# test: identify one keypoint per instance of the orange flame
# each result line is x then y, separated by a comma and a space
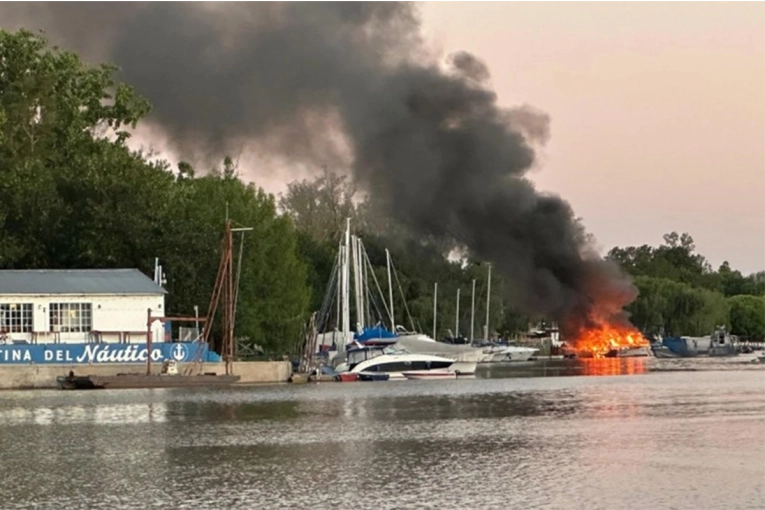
603, 339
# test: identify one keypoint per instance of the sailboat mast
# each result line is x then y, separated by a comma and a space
356, 281
457, 316
229, 300
360, 287
488, 301
472, 313
390, 294
435, 306
345, 289
364, 283
339, 283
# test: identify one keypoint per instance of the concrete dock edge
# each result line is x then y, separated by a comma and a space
44, 376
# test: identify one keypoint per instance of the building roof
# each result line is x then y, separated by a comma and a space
77, 281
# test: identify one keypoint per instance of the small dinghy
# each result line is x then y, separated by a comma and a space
348, 376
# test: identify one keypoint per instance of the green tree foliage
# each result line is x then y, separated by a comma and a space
320, 208
681, 294
677, 308
747, 316
57, 117
75, 196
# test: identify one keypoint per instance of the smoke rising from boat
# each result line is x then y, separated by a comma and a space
429, 141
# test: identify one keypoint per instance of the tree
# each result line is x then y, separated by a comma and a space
75, 196
62, 146
273, 294
320, 207
677, 308
747, 316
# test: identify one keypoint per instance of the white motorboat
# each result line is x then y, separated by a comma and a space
394, 361
500, 353
422, 344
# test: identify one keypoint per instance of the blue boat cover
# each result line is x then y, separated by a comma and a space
677, 345
375, 333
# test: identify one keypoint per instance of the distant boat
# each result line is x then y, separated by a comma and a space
718, 344
640, 351
722, 344
676, 347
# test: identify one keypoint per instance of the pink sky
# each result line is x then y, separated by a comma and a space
658, 111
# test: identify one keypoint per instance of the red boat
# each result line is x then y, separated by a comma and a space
349, 377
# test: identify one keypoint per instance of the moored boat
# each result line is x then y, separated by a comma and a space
641, 351
348, 377
132, 381
168, 378
395, 362
722, 344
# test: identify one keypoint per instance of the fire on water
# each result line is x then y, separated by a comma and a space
601, 340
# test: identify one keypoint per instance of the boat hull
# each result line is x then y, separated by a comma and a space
630, 352
430, 375
299, 379
135, 381
664, 352
371, 376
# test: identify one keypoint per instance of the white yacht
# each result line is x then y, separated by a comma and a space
423, 344
395, 361
500, 353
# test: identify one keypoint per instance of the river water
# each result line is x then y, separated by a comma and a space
638, 433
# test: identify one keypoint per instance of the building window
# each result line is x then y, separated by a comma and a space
16, 317
71, 317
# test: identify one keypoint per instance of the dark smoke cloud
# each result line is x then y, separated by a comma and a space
431, 143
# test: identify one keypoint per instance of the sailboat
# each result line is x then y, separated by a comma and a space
494, 352
371, 348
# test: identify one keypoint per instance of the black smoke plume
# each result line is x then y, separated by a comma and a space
429, 140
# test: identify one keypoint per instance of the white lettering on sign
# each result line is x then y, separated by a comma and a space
106, 354
92, 353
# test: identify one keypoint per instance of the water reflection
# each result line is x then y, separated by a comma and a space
528, 442
566, 367
122, 414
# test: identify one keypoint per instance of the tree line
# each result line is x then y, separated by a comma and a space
74, 195
681, 294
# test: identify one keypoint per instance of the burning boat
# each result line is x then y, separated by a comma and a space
611, 341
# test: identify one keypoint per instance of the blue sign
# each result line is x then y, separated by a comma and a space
104, 353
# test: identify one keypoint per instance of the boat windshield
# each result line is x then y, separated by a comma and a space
359, 355
394, 350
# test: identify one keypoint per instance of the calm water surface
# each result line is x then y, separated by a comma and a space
667, 434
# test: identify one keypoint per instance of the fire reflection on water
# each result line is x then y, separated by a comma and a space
613, 366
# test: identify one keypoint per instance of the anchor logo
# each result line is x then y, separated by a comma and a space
179, 352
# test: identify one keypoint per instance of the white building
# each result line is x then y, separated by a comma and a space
79, 305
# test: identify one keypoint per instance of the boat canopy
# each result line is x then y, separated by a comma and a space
375, 333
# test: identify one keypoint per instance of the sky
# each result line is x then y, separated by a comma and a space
657, 113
